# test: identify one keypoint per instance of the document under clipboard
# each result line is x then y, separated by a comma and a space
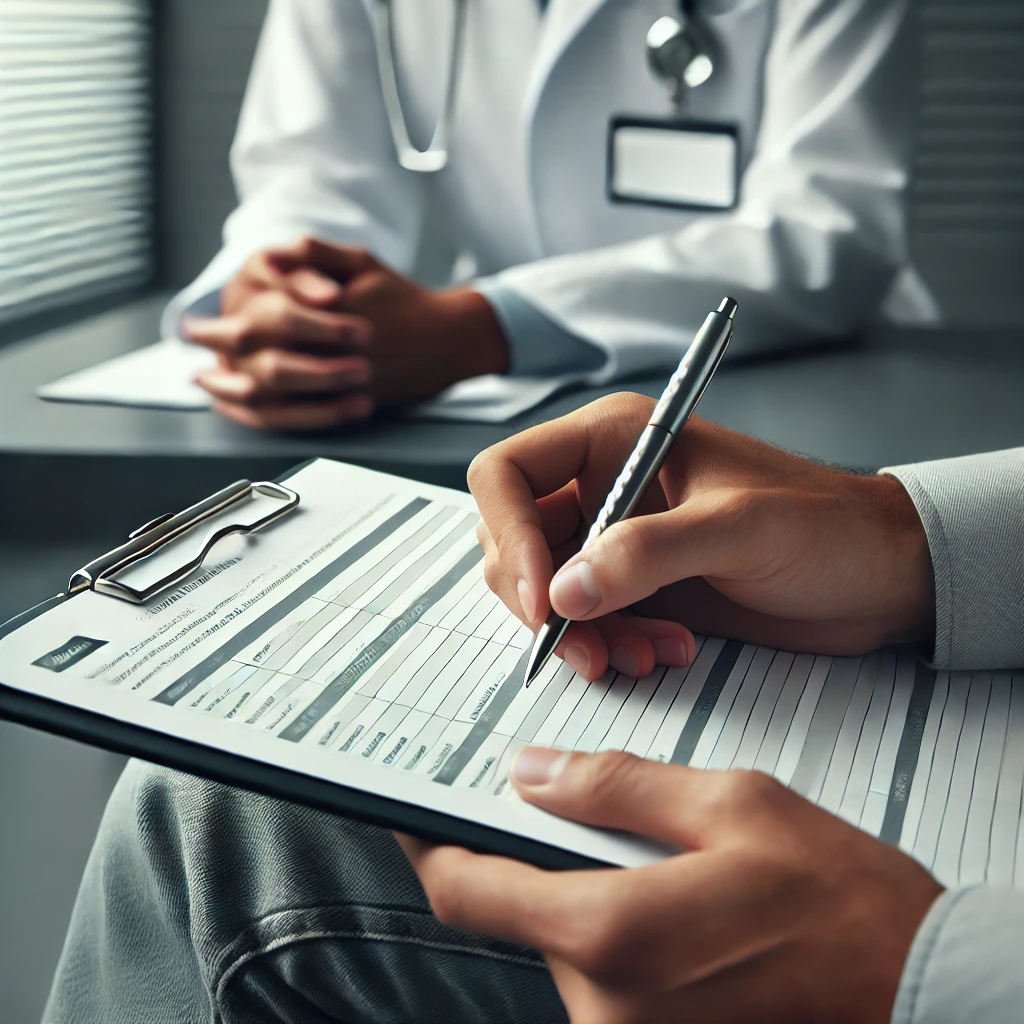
329, 639
169, 555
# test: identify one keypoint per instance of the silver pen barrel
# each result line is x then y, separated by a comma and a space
674, 408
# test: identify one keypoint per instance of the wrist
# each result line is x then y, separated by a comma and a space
475, 334
912, 579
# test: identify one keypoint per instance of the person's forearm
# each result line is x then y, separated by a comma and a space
972, 509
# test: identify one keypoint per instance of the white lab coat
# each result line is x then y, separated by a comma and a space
823, 92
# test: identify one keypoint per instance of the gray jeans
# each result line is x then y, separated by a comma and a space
201, 902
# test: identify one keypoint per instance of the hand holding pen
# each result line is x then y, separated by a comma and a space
734, 538
677, 403
513, 473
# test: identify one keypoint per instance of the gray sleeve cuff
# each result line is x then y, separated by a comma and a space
972, 509
538, 347
965, 961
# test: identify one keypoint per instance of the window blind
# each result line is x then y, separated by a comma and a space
967, 196
75, 131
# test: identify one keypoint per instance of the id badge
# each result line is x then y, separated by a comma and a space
685, 165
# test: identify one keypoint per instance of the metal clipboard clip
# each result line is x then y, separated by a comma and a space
244, 507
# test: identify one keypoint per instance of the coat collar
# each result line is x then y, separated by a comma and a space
563, 21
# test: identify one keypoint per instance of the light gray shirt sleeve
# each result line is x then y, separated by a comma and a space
965, 964
537, 346
972, 509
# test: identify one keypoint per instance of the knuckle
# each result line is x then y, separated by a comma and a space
494, 575
245, 332
277, 305
630, 551
743, 789
638, 542
255, 267
609, 774
338, 329
483, 536
305, 245
740, 508
358, 407
363, 256
481, 469
597, 948
610, 412
272, 367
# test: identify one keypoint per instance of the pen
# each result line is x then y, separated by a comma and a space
675, 407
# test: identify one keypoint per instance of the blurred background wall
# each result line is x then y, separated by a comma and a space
967, 227
204, 48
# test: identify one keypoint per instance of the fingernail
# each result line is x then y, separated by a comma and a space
190, 324
575, 591
675, 653
538, 766
625, 661
577, 658
237, 385
527, 600
319, 290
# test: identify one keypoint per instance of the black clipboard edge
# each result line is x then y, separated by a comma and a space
13, 625
280, 783
295, 470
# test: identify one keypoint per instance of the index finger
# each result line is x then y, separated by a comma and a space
511, 900
616, 924
276, 269
340, 262
508, 479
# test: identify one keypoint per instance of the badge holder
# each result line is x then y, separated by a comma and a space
673, 163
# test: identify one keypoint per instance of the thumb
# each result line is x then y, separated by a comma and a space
636, 558
311, 287
618, 791
339, 262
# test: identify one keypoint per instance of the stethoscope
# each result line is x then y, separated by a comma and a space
679, 53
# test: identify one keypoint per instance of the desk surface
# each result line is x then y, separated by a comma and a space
902, 396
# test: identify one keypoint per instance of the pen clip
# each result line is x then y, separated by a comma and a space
101, 574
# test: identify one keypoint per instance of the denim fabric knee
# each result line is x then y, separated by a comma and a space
205, 903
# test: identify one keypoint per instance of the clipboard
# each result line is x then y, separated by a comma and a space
884, 763
134, 573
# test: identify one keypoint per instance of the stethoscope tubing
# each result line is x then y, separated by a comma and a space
435, 157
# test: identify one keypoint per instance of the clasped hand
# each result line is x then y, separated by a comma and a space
313, 335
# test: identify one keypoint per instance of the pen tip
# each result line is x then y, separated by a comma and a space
729, 307
531, 671
533, 666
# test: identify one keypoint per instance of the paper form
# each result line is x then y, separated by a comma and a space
356, 641
161, 376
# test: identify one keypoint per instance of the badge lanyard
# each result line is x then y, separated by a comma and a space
676, 162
